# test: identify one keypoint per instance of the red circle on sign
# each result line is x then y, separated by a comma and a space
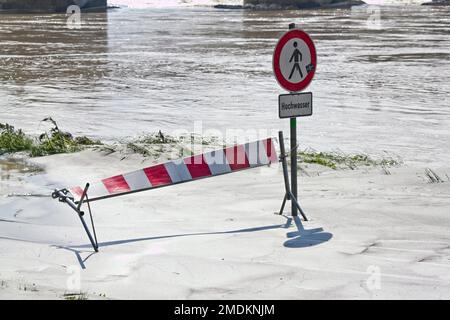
282, 81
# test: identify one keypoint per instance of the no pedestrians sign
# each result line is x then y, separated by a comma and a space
294, 60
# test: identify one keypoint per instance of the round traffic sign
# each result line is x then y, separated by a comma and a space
294, 60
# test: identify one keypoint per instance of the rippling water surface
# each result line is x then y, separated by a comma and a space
138, 70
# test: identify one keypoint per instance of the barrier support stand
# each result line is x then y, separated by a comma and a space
288, 195
62, 195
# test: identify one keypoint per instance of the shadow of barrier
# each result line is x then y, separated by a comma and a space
299, 239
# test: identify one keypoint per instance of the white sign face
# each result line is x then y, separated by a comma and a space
294, 58
295, 105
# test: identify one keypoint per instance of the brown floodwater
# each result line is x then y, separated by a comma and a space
378, 87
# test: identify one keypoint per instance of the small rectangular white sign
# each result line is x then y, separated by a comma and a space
295, 105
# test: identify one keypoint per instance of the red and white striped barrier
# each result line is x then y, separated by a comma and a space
239, 157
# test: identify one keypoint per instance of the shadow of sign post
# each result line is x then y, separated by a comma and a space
305, 238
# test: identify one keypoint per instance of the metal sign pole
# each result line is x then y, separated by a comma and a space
294, 211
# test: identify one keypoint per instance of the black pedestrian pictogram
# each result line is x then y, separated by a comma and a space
296, 55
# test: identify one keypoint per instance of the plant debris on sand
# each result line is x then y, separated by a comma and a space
55, 141
338, 160
161, 146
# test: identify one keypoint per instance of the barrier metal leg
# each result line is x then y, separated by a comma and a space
298, 207
63, 197
283, 204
